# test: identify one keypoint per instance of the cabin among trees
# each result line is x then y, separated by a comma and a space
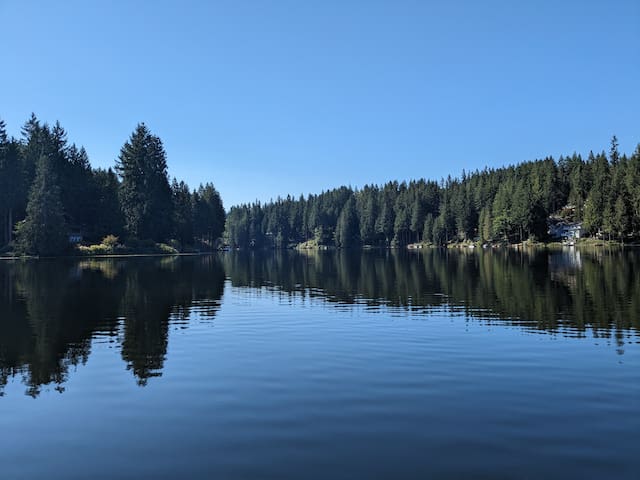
564, 226
565, 231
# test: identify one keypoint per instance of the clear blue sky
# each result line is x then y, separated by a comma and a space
266, 98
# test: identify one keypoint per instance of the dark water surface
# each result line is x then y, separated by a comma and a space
324, 365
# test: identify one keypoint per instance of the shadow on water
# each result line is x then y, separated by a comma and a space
51, 310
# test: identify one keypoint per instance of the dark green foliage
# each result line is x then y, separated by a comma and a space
95, 203
347, 229
108, 219
44, 231
427, 229
596, 200
12, 184
485, 225
208, 214
145, 193
71, 166
182, 212
80, 192
386, 219
632, 187
368, 208
33, 147
510, 204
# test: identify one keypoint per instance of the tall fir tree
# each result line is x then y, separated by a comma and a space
12, 186
33, 147
145, 193
347, 229
182, 213
427, 231
44, 230
209, 214
109, 219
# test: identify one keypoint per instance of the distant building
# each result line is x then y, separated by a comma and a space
565, 230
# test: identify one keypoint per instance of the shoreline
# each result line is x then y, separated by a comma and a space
113, 255
599, 244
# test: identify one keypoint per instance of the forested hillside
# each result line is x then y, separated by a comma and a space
48, 190
506, 204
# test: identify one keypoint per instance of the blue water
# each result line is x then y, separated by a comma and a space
208, 369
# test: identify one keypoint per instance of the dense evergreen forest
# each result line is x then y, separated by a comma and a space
49, 191
510, 204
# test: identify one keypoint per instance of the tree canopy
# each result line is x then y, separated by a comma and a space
505, 204
44, 177
136, 200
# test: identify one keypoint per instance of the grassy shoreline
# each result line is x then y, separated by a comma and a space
110, 247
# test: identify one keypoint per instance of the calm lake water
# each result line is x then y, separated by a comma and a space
322, 365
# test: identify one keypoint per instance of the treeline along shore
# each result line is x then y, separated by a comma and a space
598, 197
52, 202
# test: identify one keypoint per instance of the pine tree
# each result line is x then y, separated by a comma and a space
417, 218
44, 230
632, 180
385, 222
33, 147
182, 213
486, 224
614, 155
402, 220
620, 218
368, 215
597, 217
209, 214
108, 219
11, 184
521, 208
347, 229
145, 193
79, 191
440, 231
501, 208
427, 230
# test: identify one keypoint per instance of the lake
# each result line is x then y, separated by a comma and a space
373, 364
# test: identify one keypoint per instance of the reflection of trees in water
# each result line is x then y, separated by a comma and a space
154, 294
55, 308
542, 290
52, 309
